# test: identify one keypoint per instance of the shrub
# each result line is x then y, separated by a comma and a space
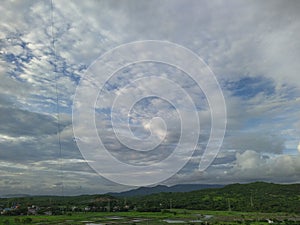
27, 220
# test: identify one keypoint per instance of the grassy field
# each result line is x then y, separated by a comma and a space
146, 218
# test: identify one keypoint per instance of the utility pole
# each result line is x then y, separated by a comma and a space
229, 207
108, 206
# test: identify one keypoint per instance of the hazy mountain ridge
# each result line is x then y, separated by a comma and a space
15, 196
142, 191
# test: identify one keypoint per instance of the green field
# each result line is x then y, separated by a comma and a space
165, 217
250, 204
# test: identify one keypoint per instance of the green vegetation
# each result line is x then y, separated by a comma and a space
189, 217
253, 203
254, 197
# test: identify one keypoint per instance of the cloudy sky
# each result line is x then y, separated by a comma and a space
47, 49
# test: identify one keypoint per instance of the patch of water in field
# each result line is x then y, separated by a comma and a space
94, 224
173, 221
208, 216
115, 217
136, 220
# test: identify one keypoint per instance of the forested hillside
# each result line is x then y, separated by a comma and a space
259, 196
253, 197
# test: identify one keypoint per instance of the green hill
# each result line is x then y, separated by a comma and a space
252, 197
258, 196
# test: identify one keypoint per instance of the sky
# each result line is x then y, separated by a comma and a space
53, 94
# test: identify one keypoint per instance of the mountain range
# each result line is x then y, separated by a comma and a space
142, 191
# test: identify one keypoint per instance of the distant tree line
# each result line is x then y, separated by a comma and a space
253, 197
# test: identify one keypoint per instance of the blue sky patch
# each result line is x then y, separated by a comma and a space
249, 87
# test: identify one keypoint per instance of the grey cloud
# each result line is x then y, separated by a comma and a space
256, 141
248, 166
17, 122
